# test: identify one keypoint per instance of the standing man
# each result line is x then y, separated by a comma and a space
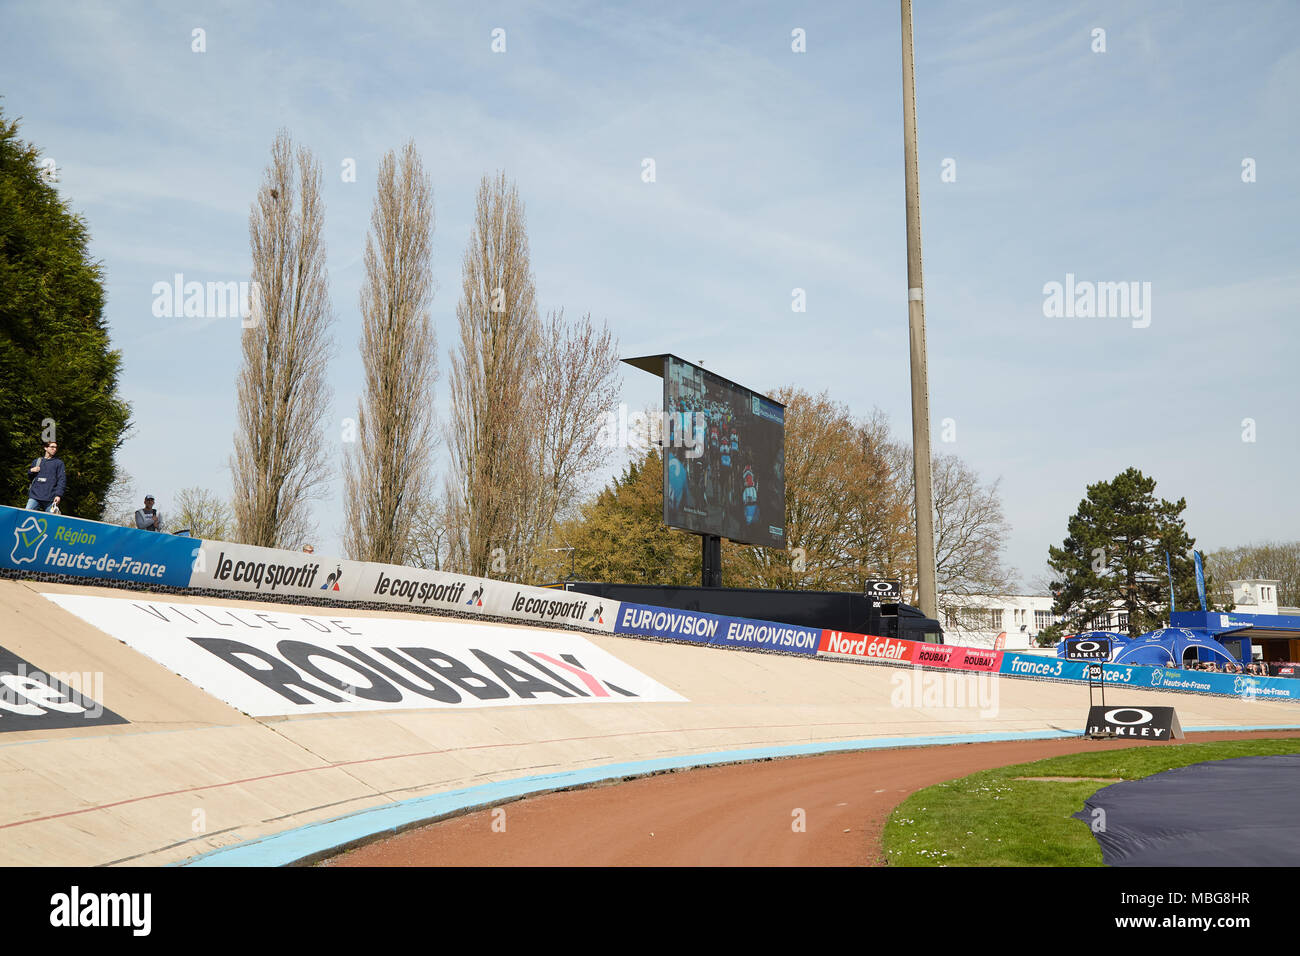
48, 480
147, 518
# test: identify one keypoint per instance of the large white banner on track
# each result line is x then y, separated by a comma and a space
272, 662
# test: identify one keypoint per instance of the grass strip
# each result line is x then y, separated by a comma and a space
992, 819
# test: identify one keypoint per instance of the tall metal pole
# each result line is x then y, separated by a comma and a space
926, 596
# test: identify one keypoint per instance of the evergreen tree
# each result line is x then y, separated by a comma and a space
1114, 556
621, 537
58, 376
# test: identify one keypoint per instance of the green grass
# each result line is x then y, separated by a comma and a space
992, 819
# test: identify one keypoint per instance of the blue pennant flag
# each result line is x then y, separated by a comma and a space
1170, 568
1200, 578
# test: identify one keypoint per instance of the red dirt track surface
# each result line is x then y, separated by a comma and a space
739, 815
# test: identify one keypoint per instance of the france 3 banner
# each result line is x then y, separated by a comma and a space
59, 544
280, 662
701, 628
1156, 678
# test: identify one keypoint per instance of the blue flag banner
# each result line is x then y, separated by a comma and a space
1170, 568
1200, 579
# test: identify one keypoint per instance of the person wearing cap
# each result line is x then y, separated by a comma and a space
147, 518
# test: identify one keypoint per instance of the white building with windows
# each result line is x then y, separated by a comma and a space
977, 620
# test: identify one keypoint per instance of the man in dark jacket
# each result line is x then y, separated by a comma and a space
48, 480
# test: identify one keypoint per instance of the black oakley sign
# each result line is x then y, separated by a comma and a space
1143, 723
1087, 649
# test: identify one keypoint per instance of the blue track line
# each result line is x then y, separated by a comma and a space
313, 839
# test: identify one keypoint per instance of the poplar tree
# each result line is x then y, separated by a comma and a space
279, 464
387, 471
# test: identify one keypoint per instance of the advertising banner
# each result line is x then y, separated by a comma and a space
267, 663
551, 606
1237, 685
242, 567
975, 659
56, 544
715, 629
1087, 649
866, 646
1141, 723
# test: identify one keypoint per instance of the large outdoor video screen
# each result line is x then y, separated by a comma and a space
724, 457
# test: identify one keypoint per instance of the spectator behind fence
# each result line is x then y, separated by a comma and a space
49, 481
148, 518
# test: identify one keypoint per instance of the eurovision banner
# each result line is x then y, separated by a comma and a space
716, 629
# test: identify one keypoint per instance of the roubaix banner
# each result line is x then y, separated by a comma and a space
57, 544
32, 699
700, 628
270, 664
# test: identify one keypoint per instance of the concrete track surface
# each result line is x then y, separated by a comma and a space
189, 774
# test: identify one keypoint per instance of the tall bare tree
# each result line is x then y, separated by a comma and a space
201, 512
573, 385
279, 464
489, 428
387, 471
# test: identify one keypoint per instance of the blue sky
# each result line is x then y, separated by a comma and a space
775, 170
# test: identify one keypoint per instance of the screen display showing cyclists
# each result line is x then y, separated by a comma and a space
724, 457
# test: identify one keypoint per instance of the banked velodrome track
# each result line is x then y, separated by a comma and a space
186, 774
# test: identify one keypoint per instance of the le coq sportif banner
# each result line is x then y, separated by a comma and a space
272, 663
238, 567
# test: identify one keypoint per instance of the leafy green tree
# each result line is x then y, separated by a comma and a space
1114, 556
58, 376
620, 537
